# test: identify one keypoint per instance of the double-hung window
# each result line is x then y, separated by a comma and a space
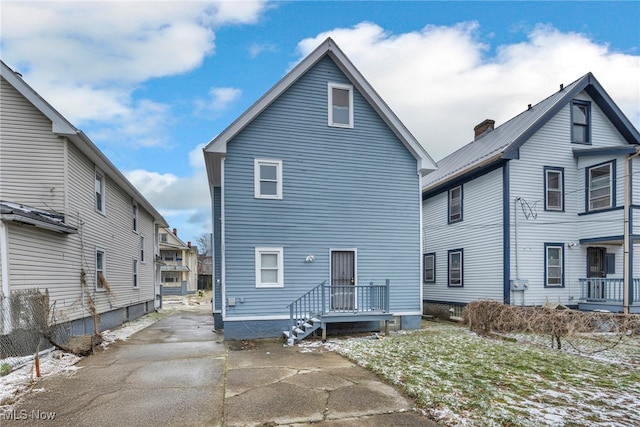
135, 273
600, 194
429, 268
99, 188
455, 204
455, 267
141, 248
580, 120
269, 267
267, 179
340, 105
554, 264
554, 189
101, 269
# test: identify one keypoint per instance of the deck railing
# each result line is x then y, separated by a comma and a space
326, 299
601, 289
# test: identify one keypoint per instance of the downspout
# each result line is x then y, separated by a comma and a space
5, 321
515, 229
627, 237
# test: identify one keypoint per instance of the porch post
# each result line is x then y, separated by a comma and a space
627, 224
386, 296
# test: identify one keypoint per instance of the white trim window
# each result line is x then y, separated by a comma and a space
455, 204
600, 185
101, 269
135, 273
100, 192
134, 208
554, 265
269, 267
554, 194
267, 179
340, 105
141, 248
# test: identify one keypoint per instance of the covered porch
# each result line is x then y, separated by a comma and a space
599, 293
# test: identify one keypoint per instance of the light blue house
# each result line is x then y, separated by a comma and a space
545, 207
316, 208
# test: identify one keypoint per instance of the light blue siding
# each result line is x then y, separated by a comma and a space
342, 189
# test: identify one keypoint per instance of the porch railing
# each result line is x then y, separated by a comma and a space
601, 289
326, 299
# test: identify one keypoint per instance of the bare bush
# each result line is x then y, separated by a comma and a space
587, 332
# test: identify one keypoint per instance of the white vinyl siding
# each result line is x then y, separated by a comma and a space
32, 158
269, 268
340, 105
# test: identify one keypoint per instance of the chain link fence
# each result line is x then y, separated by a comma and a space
27, 325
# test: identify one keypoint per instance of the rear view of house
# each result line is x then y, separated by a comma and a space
316, 207
70, 222
543, 208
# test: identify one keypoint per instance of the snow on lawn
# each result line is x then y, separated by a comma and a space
55, 362
461, 379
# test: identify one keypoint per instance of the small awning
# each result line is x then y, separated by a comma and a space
25, 215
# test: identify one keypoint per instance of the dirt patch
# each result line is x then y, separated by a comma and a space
82, 345
242, 345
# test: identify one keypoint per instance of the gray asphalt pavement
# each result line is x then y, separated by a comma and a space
178, 372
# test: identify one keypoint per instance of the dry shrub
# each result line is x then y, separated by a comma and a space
489, 318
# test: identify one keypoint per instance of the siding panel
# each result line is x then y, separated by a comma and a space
343, 188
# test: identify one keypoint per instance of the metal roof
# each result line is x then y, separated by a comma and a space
504, 141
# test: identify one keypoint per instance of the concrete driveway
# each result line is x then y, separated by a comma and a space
178, 372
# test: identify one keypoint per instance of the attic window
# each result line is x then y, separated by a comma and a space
340, 105
581, 122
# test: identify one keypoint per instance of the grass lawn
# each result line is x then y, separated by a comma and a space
460, 378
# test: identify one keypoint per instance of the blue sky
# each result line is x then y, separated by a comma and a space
151, 83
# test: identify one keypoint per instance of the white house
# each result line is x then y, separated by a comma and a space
544, 207
179, 270
70, 222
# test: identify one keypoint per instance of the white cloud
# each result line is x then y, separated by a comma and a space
256, 49
97, 53
219, 99
182, 200
441, 82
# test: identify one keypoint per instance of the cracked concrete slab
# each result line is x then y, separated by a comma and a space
178, 372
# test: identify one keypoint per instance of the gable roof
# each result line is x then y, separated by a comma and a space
215, 150
62, 127
504, 141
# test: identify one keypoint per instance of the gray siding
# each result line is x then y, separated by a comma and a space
479, 234
343, 188
31, 157
42, 170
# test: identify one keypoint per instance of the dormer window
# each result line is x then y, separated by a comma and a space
340, 105
581, 120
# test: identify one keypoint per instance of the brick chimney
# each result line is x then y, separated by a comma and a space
483, 128
175, 231
188, 244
